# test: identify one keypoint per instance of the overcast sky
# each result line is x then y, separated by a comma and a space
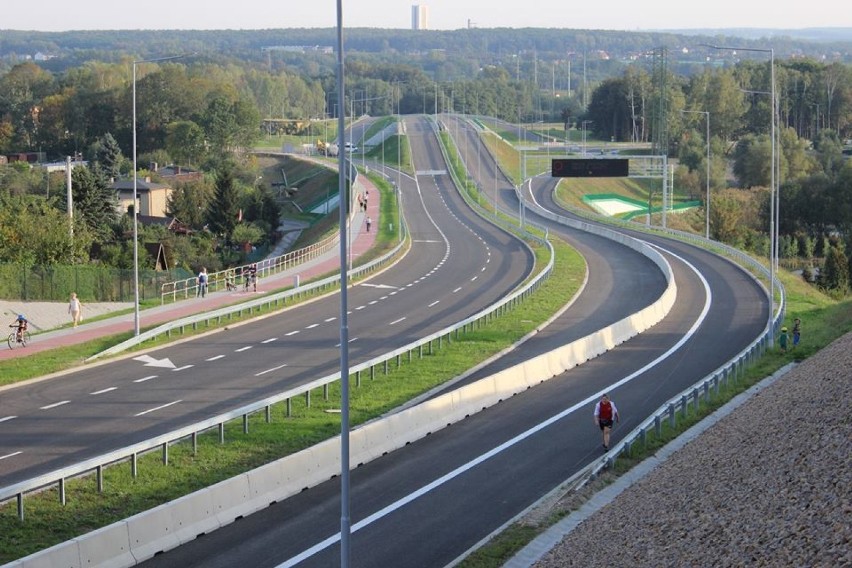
55, 15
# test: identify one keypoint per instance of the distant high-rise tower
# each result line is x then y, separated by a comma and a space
419, 17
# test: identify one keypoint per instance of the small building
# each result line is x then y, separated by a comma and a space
152, 196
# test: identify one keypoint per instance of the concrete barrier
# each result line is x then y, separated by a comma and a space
108, 547
63, 555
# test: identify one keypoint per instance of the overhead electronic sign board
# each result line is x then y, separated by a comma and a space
582, 167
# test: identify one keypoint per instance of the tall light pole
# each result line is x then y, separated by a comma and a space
135, 196
345, 517
707, 175
773, 190
584, 123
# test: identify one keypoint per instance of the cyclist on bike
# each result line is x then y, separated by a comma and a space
21, 324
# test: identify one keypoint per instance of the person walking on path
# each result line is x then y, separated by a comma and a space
605, 415
202, 282
782, 340
75, 308
369, 222
797, 331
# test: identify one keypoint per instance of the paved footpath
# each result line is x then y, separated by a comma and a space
55, 313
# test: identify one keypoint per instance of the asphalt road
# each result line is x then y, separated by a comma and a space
430, 502
457, 266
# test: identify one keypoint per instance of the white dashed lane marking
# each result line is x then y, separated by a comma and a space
435, 303
313, 325
6, 418
216, 358
397, 321
54, 405
183, 368
143, 379
292, 333
102, 391
241, 349
270, 370
13, 454
270, 340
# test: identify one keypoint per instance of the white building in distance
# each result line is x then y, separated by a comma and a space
419, 17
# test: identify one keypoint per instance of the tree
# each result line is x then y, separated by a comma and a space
108, 156
185, 142
835, 273
230, 124
189, 202
223, 212
95, 201
33, 232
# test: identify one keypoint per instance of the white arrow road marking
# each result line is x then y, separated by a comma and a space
151, 362
158, 408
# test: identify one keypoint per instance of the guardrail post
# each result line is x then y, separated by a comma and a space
308, 399
134, 465
100, 477
672, 419
325, 391
289, 407
221, 432
684, 405
372, 372
421, 350
386, 366
20, 499
409, 355
268, 413
658, 427
358, 379
194, 443
62, 491
245, 424
398, 361
707, 392
165, 453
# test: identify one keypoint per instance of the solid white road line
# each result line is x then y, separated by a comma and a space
54, 405
158, 408
102, 391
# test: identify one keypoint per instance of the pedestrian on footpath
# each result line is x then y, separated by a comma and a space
797, 331
202, 282
75, 308
605, 414
369, 222
782, 340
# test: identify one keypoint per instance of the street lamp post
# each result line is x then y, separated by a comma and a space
583, 124
707, 175
773, 190
135, 196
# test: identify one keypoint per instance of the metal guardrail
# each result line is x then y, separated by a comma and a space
131, 453
219, 280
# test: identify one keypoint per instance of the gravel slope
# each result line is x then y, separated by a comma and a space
769, 485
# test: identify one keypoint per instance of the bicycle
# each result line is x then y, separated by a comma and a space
13, 340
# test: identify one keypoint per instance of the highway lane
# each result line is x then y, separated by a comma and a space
86, 413
429, 502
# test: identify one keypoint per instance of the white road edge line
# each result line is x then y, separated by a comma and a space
320, 546
158, 408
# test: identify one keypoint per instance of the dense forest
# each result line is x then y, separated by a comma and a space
71, 94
